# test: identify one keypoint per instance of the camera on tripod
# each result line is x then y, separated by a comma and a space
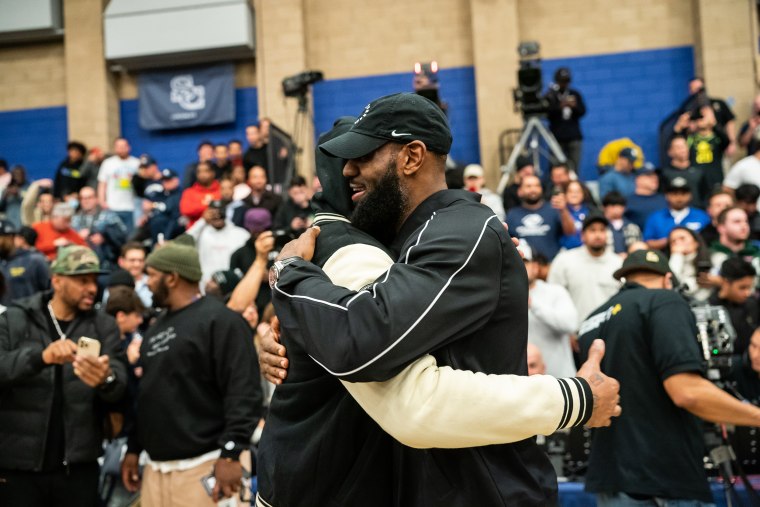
298, 85
528, 96
716, 336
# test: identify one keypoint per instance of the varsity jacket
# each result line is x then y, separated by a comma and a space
440, 296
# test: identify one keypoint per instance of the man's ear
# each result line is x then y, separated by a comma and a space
413, 157
668, 281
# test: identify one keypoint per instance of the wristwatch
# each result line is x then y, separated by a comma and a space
278, 266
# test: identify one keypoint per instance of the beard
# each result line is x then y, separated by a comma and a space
161, 294
531, 201
380, 212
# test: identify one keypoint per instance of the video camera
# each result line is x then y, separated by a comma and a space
298, 85
716, 336
528, 97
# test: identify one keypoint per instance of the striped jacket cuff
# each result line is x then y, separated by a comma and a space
579, 402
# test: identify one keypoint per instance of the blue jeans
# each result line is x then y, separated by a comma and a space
127, 217
623, 500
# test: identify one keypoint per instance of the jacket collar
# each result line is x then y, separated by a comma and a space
423, 212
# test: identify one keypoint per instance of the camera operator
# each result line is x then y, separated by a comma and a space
735, 295
746, 370
566, 107
654, 454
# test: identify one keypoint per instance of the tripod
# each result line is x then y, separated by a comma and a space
530, 142
303, 116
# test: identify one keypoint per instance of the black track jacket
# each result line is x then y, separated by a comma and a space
459, 290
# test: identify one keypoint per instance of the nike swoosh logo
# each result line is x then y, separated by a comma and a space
396, 134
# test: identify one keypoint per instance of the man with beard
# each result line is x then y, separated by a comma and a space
199, 398
376, 165
586, 271
52, 394
541, 224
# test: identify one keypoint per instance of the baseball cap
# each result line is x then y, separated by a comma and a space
401, 118
473, 171
678, 184
653, 261
562, 74
631, 154
168, 174
120, 277
146, 160
7, 228
76, 260
647, 168
257, 220
227, 279
217, 204
594, 218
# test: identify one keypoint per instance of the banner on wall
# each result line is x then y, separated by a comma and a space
187, 97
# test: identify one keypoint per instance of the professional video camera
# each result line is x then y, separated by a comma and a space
716, 336
528, 95
298, 85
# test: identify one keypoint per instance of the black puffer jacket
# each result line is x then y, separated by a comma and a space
27, 386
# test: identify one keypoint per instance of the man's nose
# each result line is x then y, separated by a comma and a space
350, 169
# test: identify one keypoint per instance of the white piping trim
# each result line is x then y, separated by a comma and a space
419, 236
374, 286
581, 398
310, 299
356, 296
422, 316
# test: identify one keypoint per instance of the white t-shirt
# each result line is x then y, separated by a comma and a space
588, 279
745, 171
117, 174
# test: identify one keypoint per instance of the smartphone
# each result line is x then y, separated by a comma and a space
88, 347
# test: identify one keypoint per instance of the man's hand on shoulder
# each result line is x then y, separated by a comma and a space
302, 247
606, 390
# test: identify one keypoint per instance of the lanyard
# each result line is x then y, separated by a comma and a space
55, 323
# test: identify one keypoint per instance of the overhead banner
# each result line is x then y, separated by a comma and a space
187, 97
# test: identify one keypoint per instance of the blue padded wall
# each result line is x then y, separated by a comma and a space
626, 95
341, 97
177, 148
34, 138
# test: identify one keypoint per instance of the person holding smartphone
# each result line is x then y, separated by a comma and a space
50, 426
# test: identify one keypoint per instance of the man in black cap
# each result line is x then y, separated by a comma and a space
162, 207
655, 452
566, 108
25, 271
51, 426
435, 298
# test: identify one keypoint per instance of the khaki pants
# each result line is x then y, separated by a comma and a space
181, 489
176, 489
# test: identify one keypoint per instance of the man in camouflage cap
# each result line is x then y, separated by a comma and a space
51, 414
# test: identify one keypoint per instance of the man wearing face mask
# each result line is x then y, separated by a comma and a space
654, 454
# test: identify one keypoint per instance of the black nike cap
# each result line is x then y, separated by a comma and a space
399, 118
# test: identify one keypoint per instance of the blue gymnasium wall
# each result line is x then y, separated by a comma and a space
626, 95
342, 97
35, 138
177, 148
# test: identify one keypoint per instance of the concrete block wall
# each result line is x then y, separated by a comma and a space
349, 38
33, 76
367, 45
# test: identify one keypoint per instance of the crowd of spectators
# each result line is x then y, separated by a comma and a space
575, 235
